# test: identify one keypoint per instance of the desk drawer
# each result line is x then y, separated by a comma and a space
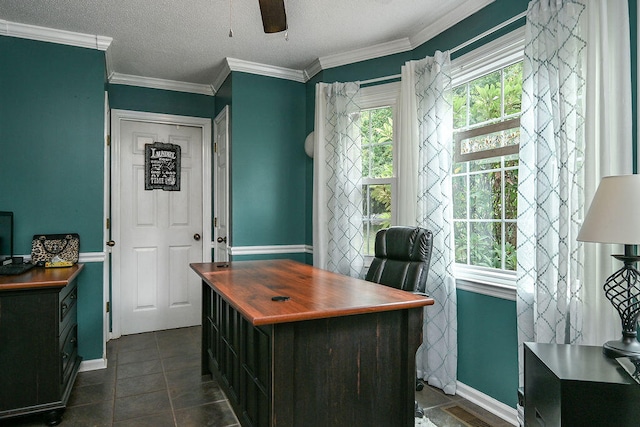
68, 302
68, 353
68, 323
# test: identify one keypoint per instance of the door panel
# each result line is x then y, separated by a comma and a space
157, 229
146, 292
222, 231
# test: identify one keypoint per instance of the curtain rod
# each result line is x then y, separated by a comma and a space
488, 32
459, 47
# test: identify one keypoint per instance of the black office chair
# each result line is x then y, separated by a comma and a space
402, 258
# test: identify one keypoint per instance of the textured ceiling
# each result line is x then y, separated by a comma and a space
187, 40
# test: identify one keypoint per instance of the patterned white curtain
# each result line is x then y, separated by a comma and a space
576, 129
551, 175
609, 149
337, 213
426, 95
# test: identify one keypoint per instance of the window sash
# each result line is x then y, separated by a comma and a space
460, 157
488, 58
374, 97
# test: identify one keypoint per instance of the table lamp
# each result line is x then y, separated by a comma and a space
614, 217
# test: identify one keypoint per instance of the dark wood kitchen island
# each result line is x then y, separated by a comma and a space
294, 345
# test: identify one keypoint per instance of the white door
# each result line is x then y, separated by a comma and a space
221, 238
158, 232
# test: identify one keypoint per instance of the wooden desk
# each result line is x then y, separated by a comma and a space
38, 341
339, 352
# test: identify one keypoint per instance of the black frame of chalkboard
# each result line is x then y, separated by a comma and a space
165, 166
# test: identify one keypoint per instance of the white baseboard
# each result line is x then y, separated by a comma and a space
492, 405
93, 365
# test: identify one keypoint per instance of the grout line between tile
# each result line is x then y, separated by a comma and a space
166, 382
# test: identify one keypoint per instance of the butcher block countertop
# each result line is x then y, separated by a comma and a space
281, 291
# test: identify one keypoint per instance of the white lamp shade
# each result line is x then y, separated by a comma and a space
614, 214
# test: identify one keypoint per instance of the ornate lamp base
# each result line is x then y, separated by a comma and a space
623, 290
626, 347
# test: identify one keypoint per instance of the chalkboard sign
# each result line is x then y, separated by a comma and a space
162, 166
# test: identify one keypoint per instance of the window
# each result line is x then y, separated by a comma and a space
485, 169
487, 106
378, 167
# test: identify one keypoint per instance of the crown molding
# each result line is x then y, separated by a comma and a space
449, 20
265, 70
396, 46
314, 68
363, 54
154, 83
232, 64
33, 32
222, 76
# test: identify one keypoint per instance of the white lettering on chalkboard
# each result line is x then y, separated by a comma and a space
162, 166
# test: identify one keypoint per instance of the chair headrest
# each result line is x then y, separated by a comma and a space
404, 243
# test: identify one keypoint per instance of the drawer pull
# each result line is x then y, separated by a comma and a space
73, 296
73, 341
64, 306
65, 355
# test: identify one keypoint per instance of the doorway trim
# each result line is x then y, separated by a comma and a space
117, 116
221, 197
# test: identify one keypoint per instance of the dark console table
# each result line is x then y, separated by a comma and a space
38, 341
330, 350
573, 385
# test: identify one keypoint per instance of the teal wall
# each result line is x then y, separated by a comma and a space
51, 157
124, 97
370, 69
224, 94
488, 345
268, 162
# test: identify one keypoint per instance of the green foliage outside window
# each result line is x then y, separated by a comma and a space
486, 191
377, 139
377, 162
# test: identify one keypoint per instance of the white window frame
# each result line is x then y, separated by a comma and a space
384, 95
497, 54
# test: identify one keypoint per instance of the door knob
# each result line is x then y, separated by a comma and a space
222, 239
196, 237
111, 243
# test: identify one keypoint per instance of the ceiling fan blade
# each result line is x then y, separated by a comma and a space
274, 17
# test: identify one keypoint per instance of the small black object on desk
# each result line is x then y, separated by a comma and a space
15, 268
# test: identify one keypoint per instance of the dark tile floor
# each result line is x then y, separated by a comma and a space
153, 379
